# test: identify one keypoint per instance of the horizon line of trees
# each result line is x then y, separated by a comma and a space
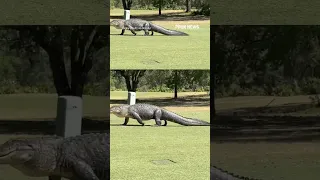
266, 60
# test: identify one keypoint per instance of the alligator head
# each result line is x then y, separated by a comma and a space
16, 151
120, 111
116, 23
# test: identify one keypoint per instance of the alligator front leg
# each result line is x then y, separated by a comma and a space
122, 32
126, 120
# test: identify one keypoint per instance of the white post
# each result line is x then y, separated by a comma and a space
131, 98
69, 116
126, 14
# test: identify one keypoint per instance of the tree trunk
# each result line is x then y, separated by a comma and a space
126, 4
81, 60
212, 87
176, 84
160, 6
188, 5
132, 78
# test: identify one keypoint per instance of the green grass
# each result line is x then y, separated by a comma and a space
62, 12
159, 51
38, 106
266, 12
118, 95
294, 161
268, 160
133, 148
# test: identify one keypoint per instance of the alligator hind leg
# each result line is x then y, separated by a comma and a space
157, 117
146, 32
137, 117
83, 171
165, 123
146, 28
132, 30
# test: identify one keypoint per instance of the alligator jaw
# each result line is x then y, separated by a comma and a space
5, 156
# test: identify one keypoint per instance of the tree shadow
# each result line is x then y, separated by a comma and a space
48, 126
266, 124
186, 101
171, 16
280, 109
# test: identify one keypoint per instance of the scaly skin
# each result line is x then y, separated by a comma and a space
142, 25
219, 174
142, 112
84, 157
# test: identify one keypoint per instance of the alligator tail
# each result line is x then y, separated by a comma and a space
170, 116
168, 32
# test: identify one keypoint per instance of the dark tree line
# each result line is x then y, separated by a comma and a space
160, 80
266, 60
202, 5
71, 52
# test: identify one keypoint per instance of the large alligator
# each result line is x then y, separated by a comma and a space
142, 112
219, 174
142, 25
84, 157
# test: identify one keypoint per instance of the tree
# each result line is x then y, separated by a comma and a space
126, 4
160, 6
81, 42
132, 78
188, 5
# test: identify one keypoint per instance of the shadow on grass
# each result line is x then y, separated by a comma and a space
186, 101
267, 124
148, 125
280, 109
265, 128
47, 127
174, 16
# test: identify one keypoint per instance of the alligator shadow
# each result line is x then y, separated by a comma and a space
135, 35
186, 101
148, 125
48, 126
265, 128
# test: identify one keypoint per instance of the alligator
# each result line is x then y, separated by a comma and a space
219, 174
142, 25
83, 157
142, 112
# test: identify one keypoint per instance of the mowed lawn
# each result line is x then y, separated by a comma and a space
171, 152
44, 106
268, 160
160, 51
41, 107
266, 12
62, 12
